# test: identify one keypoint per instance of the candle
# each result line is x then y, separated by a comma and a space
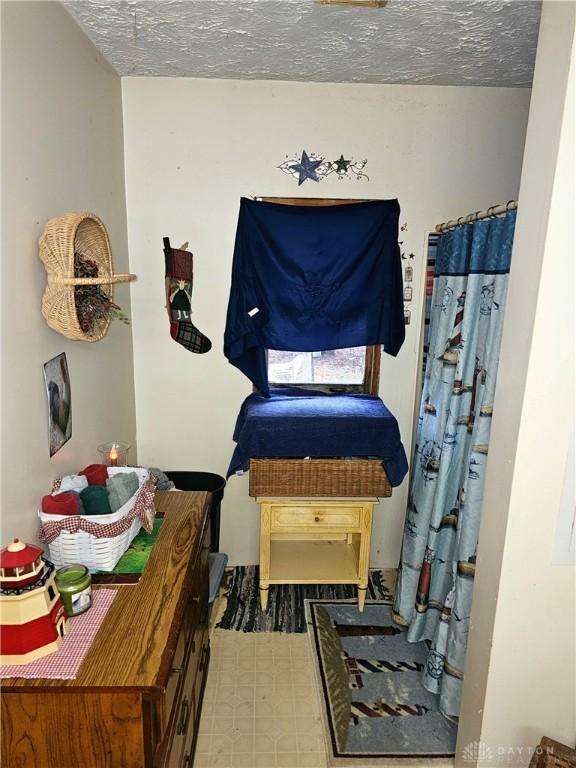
114, 453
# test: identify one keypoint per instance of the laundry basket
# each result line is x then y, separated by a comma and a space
64, 236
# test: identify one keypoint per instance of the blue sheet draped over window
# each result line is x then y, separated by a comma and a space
310, 278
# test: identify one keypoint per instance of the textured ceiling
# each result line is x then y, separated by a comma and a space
438, 42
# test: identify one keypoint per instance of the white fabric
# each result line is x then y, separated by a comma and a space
72, 483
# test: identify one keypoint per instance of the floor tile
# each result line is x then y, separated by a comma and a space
265, 760
287, 760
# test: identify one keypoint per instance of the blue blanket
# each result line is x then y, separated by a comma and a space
310, 278
294, 423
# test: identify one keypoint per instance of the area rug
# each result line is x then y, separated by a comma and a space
286, 610
374, 706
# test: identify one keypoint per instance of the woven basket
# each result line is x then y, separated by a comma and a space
318, 477
85, 234
99, 552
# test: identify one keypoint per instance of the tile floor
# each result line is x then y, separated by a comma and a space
260, 706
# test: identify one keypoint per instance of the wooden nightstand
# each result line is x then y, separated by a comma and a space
315, 541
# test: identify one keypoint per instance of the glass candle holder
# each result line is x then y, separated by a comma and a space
114, 454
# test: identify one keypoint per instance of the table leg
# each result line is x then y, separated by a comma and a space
364, 560
264, 590
264, 554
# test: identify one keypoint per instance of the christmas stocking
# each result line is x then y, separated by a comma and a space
179, 278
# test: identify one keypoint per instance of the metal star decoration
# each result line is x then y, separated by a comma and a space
341, 164
314, 166
306, 168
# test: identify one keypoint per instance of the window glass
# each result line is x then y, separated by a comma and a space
334, 366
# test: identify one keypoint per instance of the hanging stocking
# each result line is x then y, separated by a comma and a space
179, 279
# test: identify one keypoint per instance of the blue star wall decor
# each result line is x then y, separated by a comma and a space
315, 167
306, 168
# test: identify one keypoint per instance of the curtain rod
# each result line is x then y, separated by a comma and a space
494, 210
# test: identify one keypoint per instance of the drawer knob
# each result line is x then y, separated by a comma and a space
317, 519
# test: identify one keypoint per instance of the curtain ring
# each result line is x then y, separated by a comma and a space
490, 212
509, 203
460, 220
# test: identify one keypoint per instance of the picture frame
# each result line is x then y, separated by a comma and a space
59, 395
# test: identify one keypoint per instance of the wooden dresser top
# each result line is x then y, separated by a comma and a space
136, 641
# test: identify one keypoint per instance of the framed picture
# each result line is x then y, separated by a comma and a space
408, 274
59, 402
408, 293
406, 317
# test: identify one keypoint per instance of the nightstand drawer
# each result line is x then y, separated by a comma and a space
294, 517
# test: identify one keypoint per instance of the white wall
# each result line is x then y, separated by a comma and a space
520, 674
62, 150
193, 147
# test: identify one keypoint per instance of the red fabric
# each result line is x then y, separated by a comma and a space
182, 265
96, 474
66, 503
174, 328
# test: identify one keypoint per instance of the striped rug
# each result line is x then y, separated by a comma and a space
285, 612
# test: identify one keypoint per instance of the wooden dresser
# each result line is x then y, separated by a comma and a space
137, 698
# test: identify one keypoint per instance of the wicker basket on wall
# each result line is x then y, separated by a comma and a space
63, 236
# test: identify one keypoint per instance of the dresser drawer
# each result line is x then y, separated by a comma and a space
294, 517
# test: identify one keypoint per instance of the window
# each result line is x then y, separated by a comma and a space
356, 369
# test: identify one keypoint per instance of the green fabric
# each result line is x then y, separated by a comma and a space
336, 677
121, 488
95, 500
136, 556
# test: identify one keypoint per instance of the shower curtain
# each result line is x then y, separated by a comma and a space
436, 573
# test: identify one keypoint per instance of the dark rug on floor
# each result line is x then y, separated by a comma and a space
374, 705
285, 612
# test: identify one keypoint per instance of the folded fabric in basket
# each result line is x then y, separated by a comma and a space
96, 474
95, 500
72, 483
163, 482
121, 488
67, 503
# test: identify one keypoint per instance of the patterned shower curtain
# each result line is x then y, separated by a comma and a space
436, 573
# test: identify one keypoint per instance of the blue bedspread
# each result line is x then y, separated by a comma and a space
294, 423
